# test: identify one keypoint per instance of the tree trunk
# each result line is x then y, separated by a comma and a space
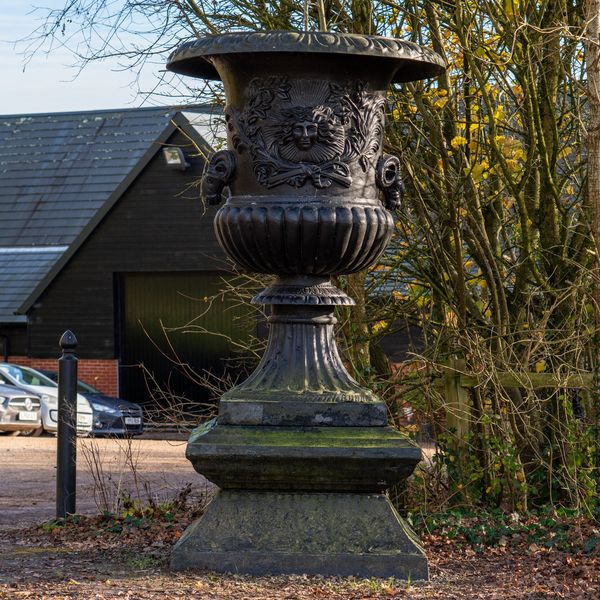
592, 48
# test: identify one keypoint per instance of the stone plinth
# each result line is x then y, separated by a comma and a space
293, 532
353, 459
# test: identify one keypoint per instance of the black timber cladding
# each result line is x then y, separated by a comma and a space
57, 173
157, 225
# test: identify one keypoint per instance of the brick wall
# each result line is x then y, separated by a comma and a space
102, 374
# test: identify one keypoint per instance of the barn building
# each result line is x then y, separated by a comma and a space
102, 231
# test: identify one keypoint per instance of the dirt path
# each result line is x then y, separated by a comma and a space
105, 468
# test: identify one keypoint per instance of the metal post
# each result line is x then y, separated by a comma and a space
67, 423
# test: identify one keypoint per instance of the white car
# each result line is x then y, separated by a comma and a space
33, 381
19, 411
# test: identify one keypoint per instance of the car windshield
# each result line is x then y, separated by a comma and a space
86, 388
82, 387
26, 376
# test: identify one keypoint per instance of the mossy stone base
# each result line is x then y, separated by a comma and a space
331, 459
337, 534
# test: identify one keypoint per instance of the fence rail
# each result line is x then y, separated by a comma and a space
531, 380
455, 382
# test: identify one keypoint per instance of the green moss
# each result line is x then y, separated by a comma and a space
326, 437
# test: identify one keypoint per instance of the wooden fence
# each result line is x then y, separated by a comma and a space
456, 384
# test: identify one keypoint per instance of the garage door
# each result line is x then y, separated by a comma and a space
177, 333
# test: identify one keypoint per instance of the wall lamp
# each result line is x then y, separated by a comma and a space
175, 158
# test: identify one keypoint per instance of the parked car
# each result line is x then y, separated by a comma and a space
20, 411
112, 416
37, 383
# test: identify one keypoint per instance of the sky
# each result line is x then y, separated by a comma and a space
50, 83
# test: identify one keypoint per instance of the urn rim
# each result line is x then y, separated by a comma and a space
413, 62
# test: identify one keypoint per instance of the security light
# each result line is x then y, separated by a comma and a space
175, 158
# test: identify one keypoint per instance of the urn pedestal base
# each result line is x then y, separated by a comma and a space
302, 500
337, 534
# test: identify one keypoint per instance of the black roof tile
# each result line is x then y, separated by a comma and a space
57, 171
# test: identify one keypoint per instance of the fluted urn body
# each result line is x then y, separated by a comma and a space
310, 194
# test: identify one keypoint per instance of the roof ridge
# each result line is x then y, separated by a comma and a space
173, 108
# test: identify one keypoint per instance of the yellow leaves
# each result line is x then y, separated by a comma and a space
440, 102
421, 301
396, 114
512, 150
513, 166
566, 151
478, 281
478, 171
458, 141
518, 154
393, 16
462, 212
398, 295
379, 326
540, 366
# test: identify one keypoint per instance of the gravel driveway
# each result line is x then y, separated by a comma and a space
106, 468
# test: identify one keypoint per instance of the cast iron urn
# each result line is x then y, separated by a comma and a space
301, 452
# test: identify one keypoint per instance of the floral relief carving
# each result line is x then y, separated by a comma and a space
294, 143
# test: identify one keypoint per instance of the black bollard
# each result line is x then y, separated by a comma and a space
66, 456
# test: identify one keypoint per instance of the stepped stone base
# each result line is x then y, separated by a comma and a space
309, 459
337, 534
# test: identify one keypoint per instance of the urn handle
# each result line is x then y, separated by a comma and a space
218, 174
389, 182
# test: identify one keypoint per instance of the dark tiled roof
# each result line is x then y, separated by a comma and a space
57, 171
21, 269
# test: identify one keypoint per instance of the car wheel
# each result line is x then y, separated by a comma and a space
33, 432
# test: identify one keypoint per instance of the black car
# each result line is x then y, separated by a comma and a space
112, 416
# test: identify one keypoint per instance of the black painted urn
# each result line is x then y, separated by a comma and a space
302, 452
